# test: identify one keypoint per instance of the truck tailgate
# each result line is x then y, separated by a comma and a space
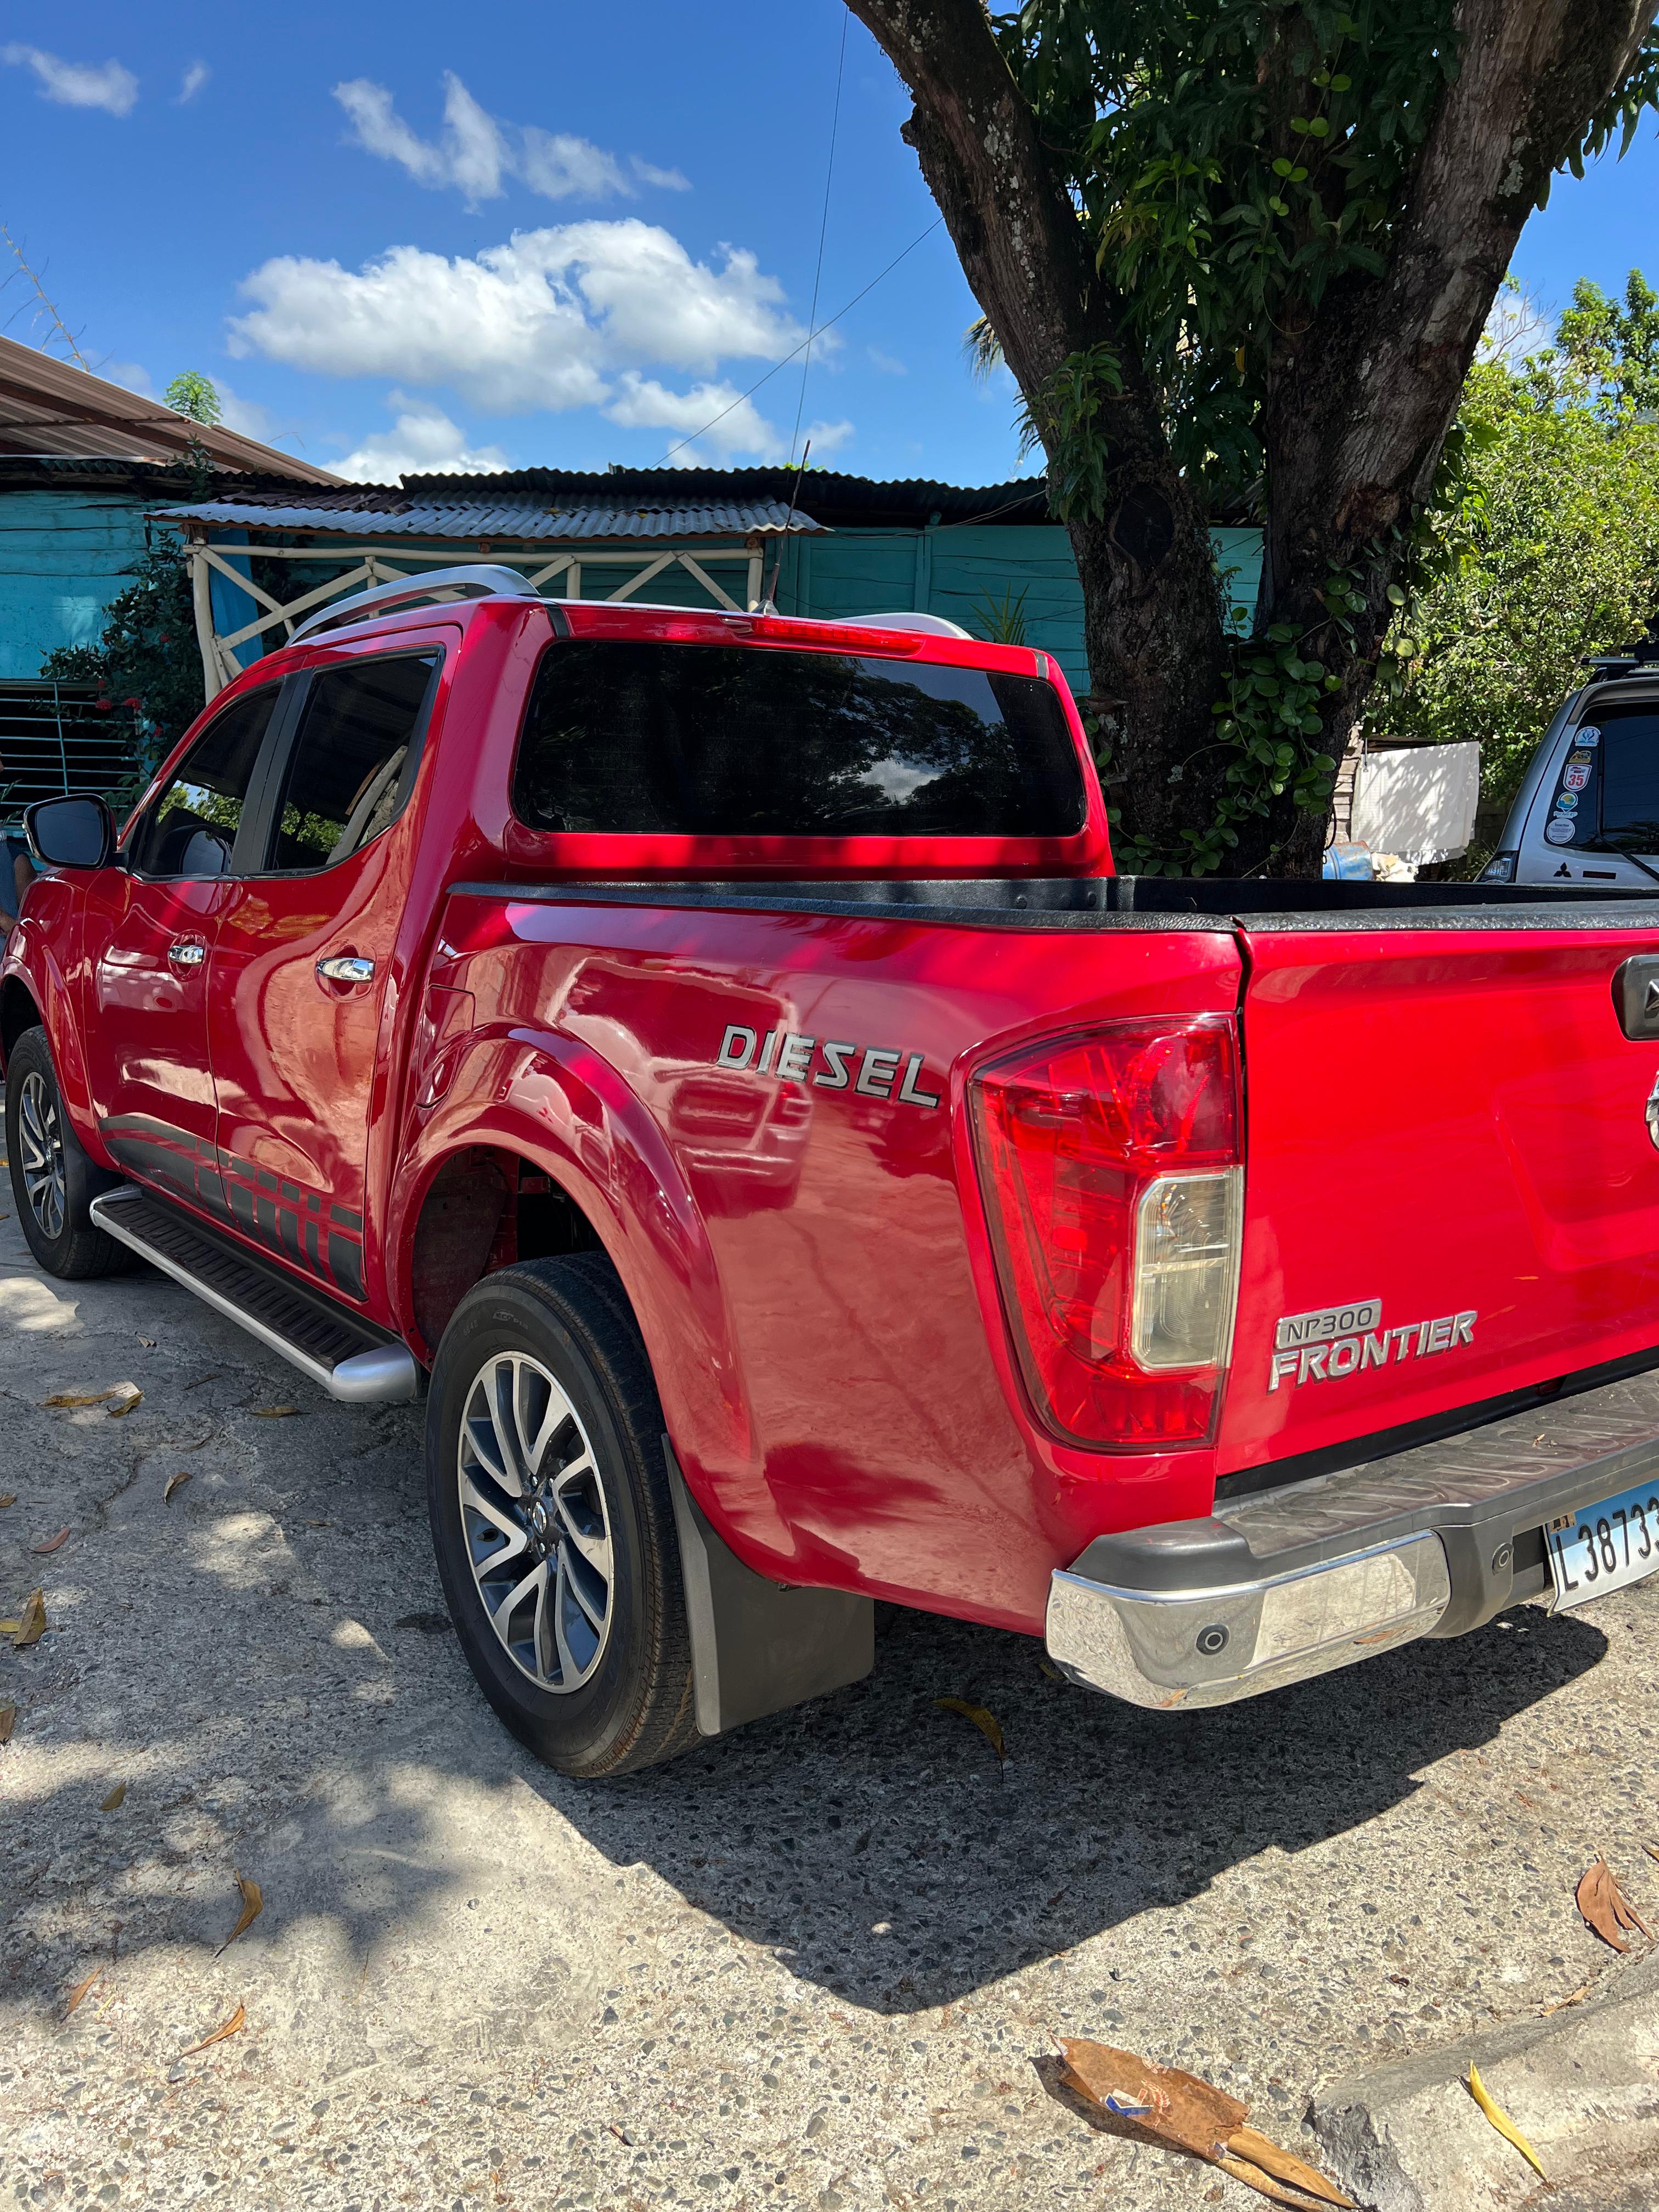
1451, 1191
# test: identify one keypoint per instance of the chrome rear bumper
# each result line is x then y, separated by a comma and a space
1291, 1582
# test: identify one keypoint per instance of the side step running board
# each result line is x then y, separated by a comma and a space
342, 1356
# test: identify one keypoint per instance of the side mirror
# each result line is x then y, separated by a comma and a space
78, 832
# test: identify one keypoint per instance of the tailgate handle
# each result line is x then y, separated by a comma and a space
1636, 995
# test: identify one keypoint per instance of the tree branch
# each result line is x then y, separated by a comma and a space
1358, 406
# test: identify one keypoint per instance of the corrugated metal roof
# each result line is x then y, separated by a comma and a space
378, 512
824, 494
48, 407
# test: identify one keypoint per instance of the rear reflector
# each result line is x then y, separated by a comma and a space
1111, 1167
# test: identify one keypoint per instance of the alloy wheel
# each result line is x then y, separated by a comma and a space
41, 1145
536, 1525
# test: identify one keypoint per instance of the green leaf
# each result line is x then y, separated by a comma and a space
1282, 167
1342, 84
1319, 128
1396, 597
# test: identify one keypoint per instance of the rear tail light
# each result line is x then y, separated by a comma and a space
1111, 1166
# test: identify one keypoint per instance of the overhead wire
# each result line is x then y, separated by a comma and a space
824, 232
810, 338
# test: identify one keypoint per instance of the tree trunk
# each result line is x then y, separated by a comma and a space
1360, 399
1360, 394
1151, 603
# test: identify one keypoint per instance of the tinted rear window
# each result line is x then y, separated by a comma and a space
740, 741
1615, 759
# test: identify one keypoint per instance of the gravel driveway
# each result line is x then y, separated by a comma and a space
821, 1963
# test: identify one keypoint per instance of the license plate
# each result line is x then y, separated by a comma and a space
1602, 1547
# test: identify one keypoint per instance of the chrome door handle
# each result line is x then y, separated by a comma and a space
346, 967
186, 955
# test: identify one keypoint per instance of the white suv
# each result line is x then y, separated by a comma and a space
1589, 809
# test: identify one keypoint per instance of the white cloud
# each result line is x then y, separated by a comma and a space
885, 362
423, 442
77, 84
537, 323
561, 167
662, 181
643, 404
476, 152
130, 375
194, 78
718, 422
246, 417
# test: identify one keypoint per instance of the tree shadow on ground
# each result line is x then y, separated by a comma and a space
872, 1839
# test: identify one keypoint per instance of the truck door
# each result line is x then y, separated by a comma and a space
150, 928
300, 1002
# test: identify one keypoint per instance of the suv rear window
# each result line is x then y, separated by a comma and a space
1614, 762
745, 741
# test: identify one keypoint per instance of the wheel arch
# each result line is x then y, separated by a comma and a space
525, 1110
18, 1012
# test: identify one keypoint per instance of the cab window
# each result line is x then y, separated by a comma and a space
353, 760
191, 829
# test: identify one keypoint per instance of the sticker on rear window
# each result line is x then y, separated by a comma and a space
1577, 776
1589, 735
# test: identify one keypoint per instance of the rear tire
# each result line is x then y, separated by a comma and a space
53, 1182
552, 1519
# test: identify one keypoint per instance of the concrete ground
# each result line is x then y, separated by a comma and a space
820, 1964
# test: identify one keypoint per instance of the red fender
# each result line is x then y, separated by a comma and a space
558, 1104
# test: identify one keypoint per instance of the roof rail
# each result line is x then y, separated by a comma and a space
481, 582
931, 625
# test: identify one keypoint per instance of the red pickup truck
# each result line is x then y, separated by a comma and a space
711, 1058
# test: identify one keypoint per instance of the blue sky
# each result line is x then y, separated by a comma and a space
419, 237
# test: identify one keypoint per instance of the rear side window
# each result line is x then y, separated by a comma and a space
190, 828
1608, 791
739, 741
353, 760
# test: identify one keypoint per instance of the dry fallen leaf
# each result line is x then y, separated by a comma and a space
32, 1627
52, 1543
1561, 2003
149, 1343
7, 1722
274, 1413
1184, 2113
10, 1498
233, 2026
80, 1990
1501, 2120
117, 1796
1177, 2108
10, 1627
91, 1398
1605, 1908
254, 1905
119, 1412
174, 1482
985, 1722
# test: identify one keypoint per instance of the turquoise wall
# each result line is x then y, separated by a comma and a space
64, 556
961, 571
